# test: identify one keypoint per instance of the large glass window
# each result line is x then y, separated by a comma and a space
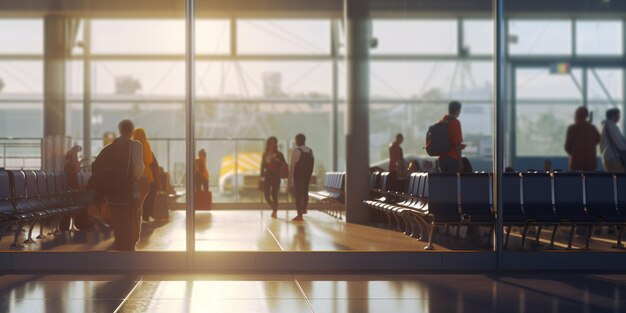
599, 37
21, 36
283, 36
418, 66
441, 36
540, 37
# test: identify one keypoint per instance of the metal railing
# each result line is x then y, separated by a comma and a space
20, 153
237, 185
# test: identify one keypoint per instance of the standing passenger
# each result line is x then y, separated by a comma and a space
72, 167
451, 161
612, 143
396, 157
271, 163
581, 141
300, 173
200, 172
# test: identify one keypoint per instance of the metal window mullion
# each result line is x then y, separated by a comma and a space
499, 75
334, 28
585, 86
190, 127
233, 37
574, 38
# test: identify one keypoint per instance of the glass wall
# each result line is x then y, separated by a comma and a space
274, 79
556, 64
126, 67
282, 74
420, 63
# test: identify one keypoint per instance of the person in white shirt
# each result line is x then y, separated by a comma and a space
300, 171
126, 216
612, 142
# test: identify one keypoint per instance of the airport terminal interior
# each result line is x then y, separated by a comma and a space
312, 156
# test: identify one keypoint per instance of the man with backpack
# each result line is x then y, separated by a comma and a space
115, 176
300, 173
445, 140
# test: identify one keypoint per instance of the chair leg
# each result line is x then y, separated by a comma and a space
619, 244
17, 234
417, 227
506, 237
53, 225
492, 228
524, 232
571, 237
57, 228
30, 233
408, 228
590, 229
73, 227
41, 235
538, 237
421, 226
554, 229
429, 246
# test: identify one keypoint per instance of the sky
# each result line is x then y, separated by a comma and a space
389, 79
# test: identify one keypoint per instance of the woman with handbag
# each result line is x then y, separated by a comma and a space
273, 168
612, 143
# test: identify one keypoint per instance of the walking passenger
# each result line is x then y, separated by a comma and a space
272, 164
116, 173
300, 172
612, 143
148, 182
581, 141
450, 162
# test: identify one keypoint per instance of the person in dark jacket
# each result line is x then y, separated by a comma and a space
271, 163
581, 141
300, 171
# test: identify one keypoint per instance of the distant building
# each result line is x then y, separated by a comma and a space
272, 84
126, 85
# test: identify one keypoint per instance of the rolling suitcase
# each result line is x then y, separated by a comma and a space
203, 200
161, 207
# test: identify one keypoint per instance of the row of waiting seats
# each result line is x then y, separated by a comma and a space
432, 199
529, 199
28, 198
332, 192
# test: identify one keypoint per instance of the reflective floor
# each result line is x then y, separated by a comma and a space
238, 230
459, 293
255, 230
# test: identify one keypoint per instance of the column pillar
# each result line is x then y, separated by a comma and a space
55, 37
358, 35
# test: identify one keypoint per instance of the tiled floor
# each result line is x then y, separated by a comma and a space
460, 293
